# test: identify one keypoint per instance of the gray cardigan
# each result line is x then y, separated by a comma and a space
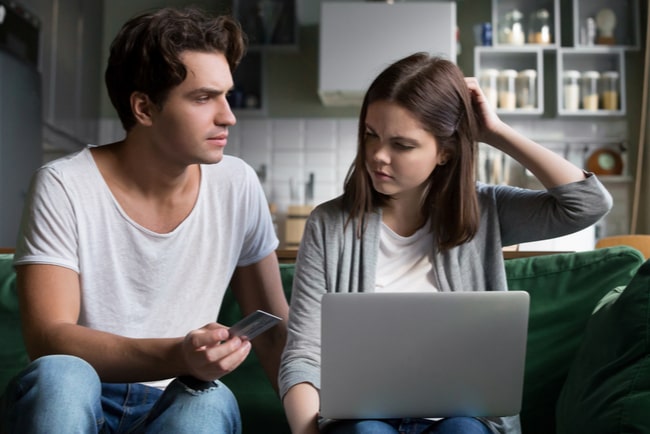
332, 258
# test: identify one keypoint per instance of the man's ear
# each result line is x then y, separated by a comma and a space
142, 108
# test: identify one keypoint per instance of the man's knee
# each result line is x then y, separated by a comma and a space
203, 406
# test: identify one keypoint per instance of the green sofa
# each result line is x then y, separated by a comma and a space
587, 363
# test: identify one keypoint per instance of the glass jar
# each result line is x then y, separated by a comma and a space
571, 90
526, 87
539, 29
512, 31
609, 86
589, 90
507, 89
488, 82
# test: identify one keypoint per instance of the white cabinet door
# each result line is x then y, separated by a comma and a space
359, 39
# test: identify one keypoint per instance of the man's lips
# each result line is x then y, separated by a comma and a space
219, 140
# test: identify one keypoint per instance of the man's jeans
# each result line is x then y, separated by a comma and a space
63, 394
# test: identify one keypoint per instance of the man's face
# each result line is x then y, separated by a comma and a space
192, 125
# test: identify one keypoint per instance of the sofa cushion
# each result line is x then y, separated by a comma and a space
13, 356
608, 387
563, 288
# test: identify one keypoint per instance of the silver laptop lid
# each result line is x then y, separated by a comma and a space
434, 354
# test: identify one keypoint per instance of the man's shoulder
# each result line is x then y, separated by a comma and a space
78, 157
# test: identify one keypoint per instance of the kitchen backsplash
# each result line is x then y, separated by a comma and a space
284, 152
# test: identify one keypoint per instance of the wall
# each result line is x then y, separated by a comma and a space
286, 150
300, 136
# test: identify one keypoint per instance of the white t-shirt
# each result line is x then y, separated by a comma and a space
405, 264
135, 282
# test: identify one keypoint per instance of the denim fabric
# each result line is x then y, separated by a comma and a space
63, 394
452, 425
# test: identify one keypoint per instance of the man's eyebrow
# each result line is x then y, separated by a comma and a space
207, 90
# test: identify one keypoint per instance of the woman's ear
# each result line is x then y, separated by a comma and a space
443, 158
142, 108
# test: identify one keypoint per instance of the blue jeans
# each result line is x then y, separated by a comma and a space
63, 394
451, 425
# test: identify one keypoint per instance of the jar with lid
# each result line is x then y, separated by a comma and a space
610, 92
526, 87
539, 30
488, 82
589, 90
507, 89
512, 31
571, 89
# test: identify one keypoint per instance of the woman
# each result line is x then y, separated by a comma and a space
412, 211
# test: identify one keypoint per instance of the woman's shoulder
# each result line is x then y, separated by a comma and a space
329, 210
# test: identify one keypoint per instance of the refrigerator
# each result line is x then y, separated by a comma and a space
21, 147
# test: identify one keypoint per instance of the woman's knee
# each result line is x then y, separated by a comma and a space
360, 427
460, 425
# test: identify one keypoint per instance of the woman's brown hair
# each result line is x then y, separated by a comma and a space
434, 91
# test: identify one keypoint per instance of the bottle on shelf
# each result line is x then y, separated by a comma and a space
526, 87
488, 83
507, 89
590, 95
571, 90
610, 90
539, 30
512, 31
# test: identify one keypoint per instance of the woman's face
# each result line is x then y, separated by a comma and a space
400, 154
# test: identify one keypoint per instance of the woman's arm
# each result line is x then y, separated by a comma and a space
550, 168
301, 404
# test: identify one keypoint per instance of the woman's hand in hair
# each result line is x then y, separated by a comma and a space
489, 123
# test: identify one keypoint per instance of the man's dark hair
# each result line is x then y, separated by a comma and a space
145, 54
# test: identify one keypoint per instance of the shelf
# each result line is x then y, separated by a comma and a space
248, 92
503, 32
269, 24
517, 59
626, 30
601, 60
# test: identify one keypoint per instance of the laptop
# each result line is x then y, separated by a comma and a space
423, 354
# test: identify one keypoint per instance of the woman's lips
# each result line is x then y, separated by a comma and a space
382, 176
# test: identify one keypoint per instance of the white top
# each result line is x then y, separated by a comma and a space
136, 282
405, 264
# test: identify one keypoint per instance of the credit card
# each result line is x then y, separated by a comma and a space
254, 324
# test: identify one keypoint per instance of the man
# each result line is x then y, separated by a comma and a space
126, 249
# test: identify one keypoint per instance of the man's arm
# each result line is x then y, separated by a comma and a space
50, 300
259, 286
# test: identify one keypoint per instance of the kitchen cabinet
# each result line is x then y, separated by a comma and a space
531, 23
69, 61
359, 39
601, 32
575, 98
248, 97
20, 115
497, 61
270, 25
